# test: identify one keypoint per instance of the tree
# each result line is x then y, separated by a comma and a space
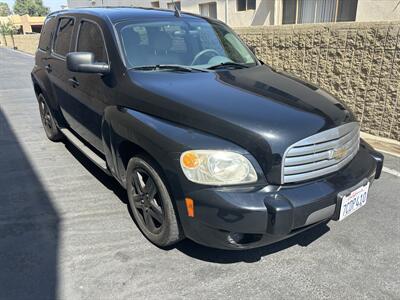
30, 7
4, 9
8, 28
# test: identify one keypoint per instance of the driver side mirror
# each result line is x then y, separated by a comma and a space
83, 62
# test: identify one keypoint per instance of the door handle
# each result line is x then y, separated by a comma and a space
74, 82
48, 68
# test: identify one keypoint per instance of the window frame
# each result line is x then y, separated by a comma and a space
78, 33
246, 6
48, 46
55, 35
296, 20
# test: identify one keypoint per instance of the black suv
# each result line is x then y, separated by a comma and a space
209, 142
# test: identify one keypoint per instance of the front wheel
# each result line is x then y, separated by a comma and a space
151, 203
49, 125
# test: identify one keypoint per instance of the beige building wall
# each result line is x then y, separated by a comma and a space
227, 12
262, 15
24, 23
226, 9
378, 10
27, 43
192, 6
267, 12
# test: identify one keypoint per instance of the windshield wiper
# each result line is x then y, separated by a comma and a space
227, 64
167, 67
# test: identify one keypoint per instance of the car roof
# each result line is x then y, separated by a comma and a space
117, 14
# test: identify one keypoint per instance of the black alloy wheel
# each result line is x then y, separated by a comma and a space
145, 200
49, 125
151, 203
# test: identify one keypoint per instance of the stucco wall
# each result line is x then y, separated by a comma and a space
357, 62
27, 43
378, 10
264, 14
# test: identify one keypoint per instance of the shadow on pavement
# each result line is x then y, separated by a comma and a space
198, 251
29, 226
108, 181
253, 255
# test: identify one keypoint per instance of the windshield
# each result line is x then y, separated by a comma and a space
194, 43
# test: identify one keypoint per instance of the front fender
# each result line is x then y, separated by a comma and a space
163, 140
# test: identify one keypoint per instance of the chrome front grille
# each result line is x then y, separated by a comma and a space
321, 154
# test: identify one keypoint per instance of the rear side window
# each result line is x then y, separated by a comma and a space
63, 37
90, 39
46, 34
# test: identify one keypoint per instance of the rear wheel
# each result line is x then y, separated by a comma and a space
49, 125
151, 203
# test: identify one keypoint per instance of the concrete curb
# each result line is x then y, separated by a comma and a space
382, 144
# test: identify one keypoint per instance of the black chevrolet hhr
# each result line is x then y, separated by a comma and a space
210, 143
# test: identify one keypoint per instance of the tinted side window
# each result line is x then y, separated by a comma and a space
90, 39
46, 34
63, 37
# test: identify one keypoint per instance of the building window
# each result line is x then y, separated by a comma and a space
347, 10
171, 5
289, 12
242, 5
318, 11
208, 9
155, 4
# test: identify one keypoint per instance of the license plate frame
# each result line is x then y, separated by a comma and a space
352, 199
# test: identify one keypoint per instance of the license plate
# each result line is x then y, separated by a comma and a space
353, 201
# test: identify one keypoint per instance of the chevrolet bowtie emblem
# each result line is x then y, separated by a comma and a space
338, 153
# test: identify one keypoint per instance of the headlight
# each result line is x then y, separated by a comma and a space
216, 167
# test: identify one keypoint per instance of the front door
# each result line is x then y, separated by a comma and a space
89, 91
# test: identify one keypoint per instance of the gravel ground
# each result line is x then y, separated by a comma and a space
66, 233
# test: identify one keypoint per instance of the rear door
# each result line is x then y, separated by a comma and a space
40, 70
56, 66
89, 91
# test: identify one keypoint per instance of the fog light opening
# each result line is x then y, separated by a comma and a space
238, 238
235, 237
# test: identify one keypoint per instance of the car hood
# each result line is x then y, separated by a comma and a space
257, 108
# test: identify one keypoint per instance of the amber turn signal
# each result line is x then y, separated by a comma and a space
190, 207
190, 160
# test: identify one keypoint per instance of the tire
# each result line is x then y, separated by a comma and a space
49, 125
151, 203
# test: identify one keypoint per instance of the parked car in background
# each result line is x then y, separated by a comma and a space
210, 143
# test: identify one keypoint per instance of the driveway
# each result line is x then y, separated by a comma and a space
66, 233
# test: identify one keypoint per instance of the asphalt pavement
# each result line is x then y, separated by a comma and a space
66, 232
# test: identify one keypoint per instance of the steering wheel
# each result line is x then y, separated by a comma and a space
201, 53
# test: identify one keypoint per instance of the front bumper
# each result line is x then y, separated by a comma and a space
245, 218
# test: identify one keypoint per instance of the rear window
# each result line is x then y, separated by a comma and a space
90, 39
46, 34
63, 38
